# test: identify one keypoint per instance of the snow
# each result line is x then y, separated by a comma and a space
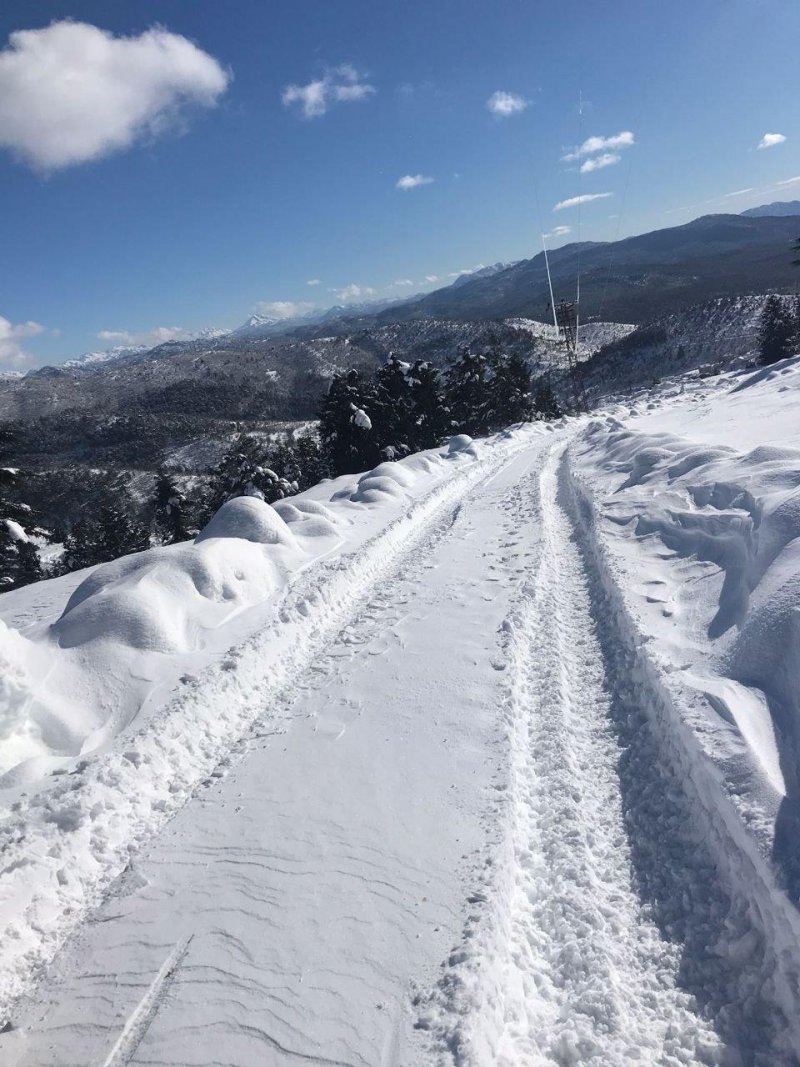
15, 531
361, 419
484, 757
129, 657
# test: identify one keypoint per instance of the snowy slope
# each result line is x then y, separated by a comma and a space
499, 767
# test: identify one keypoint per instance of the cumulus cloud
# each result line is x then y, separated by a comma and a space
412, 181
339, 85
769, 140
402, 282
352, 292
503, 104
283, 309
607, 159
71, 92
574, 201
313, 281
624, 139
431, 278
12, 349
559, 231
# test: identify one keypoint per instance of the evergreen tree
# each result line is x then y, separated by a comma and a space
298, 460
19, 559
393, 419
776, 331
169, 510
545, 405
243, 472
431, 416
345, 424
107, 536
796, 250
468, 394
510, 398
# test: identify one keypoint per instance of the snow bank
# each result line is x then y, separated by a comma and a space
692, 512
158, 662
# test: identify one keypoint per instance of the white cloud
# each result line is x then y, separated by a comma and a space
466, 270
431, 278
559, 231
313, 281
738, 192
601, 144
11, 337
157, 336
353, 292
504, 104
283, 309
71, 92
607, 159
412, 181
340, 85
789, 181
769, 140
401, 282
574, 201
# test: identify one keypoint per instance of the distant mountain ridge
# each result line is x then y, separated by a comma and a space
777, 209
632, 280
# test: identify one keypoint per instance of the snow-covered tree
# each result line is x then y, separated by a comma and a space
467, 393
243, 471
393, 416
509, 388
430, 411
109, 535
169, 510
776, 331
346, 424
545, 405
19, 558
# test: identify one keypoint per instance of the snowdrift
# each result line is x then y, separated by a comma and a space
114, 712
705, 540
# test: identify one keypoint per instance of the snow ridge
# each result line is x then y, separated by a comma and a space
739, 929
64, 845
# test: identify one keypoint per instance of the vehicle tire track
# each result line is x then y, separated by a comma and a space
607, 937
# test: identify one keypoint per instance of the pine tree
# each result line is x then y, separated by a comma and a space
169, 510
348, 441
796, 250
297, 460
120, 533
19, 558
467, 393
545, 405
243, 471
509, 389
431, 416
393, 418
83, 545
107, 536
776, 331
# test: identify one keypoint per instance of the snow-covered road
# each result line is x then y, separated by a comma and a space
489, 826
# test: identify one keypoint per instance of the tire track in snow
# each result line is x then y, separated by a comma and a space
607, 938
588, 978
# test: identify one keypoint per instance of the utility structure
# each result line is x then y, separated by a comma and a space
566, 316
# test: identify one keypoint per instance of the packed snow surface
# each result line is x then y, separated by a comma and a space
483, 757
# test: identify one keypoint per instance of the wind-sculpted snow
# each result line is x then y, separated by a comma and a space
514, 771
158, 662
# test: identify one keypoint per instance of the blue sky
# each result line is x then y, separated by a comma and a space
187, 200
